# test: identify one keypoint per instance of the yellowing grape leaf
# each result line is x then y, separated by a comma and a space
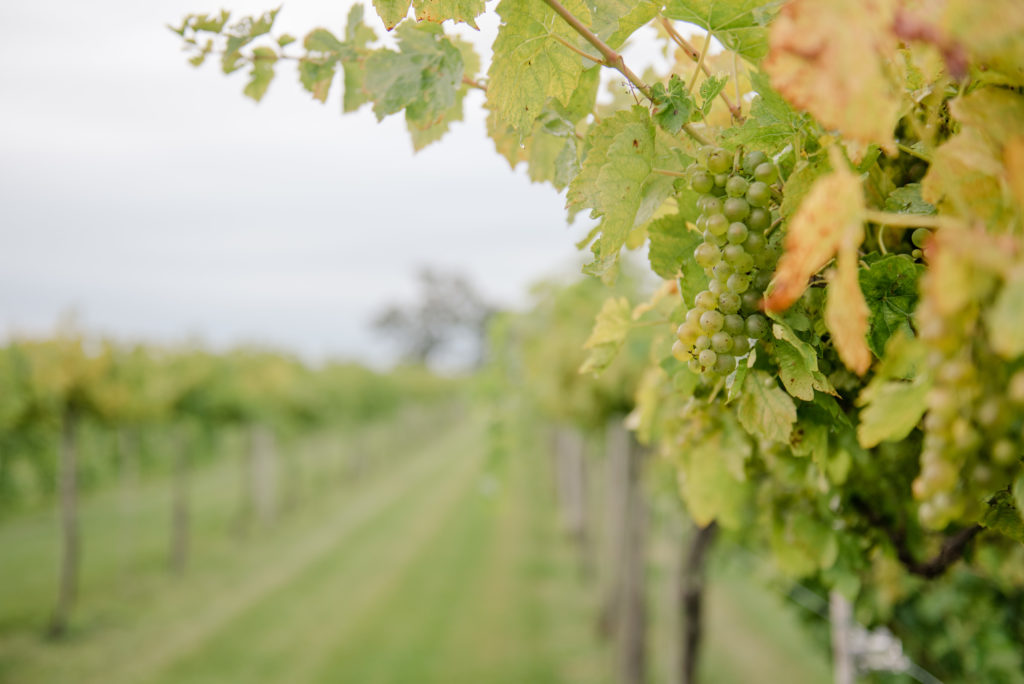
991, 32
829, 219
391, 11
1013, 159
1006, 317
846, 314
711, 478
829, 58
529, 64
610, 329
441, 10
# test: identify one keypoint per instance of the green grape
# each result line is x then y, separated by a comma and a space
680, 351
738, 283
721, 342
750, 302
1015, 388
722, 271
753, 159
916, 253
701, 223
733, 324
725, 364
702, 182
736, 186
740, 345
707, 255
754, 243
759, 219
693, 365
716, 286
761, 280
720, 180
711, 321
717, 224
729, 302
759, 194
709, 204
737, 233
765, 172
702, 342
741, 261
920, 236
688, 333
693, 316
1005, 453
719, 161
736, 209
757, 326
708, 358
705, 300
718, 240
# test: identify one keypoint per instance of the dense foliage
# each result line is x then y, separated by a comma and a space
836, 203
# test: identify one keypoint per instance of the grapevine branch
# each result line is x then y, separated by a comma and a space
951, 551
612, 59
694, 54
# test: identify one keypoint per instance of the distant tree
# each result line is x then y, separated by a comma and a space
449, 316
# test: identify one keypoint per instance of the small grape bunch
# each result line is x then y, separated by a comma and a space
736, 203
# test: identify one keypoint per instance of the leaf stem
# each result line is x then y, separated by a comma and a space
700, 63
466, 80
666, 172
612, 59
914, 153
694, 54
911, 220
581, 53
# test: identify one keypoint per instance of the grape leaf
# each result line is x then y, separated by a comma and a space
841, 77
772, 121
739, 25
846, 313
711, 478
671, 252
616, 20
908, 200
892, 409
802, 543
611, 180
421, 78
991, 32
1002, 516
438, 11
357, 36
391, 11
610, 329
529, 65
890, 288
1005, 320
710, 88
263, 60
672, 106
764, 410
425, 133
829, 220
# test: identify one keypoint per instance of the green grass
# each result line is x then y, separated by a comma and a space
442, 564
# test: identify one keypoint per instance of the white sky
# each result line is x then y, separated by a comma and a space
159, 203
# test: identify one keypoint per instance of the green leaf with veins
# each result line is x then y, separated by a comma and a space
764, 410
890, 289
739, 25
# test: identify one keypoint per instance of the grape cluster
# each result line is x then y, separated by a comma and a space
736, 202
972, 428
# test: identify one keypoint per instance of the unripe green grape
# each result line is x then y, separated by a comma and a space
738, 283
702, 342
943, 401
705, 300
688, 333
916, 253
703, 152
740, 345
759, 194
721, 342
765, 172
711, 321
759, 219
693, 316
1005, 453
753, 159
725, 364
737, 233
693, 168
701, 223
919, 237
717, 224
709, 204
722, 271
761, 280
707, 358
716, 286
930, 516
736, 186
720, 180
1015, 388
702, 182
757, 326
733, 324
754, 243
739, 260
750, 302
694, 365
729, 302
718, 240
707, 255
939, 476
736, 209
680, 351
719, 161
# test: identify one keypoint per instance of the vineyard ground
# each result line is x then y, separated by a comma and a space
440, 565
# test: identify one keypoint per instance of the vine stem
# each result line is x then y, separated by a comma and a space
694, 54
700, 63
466, 80
911, 220
612, 59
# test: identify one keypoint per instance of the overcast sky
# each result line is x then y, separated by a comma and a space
158, 203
